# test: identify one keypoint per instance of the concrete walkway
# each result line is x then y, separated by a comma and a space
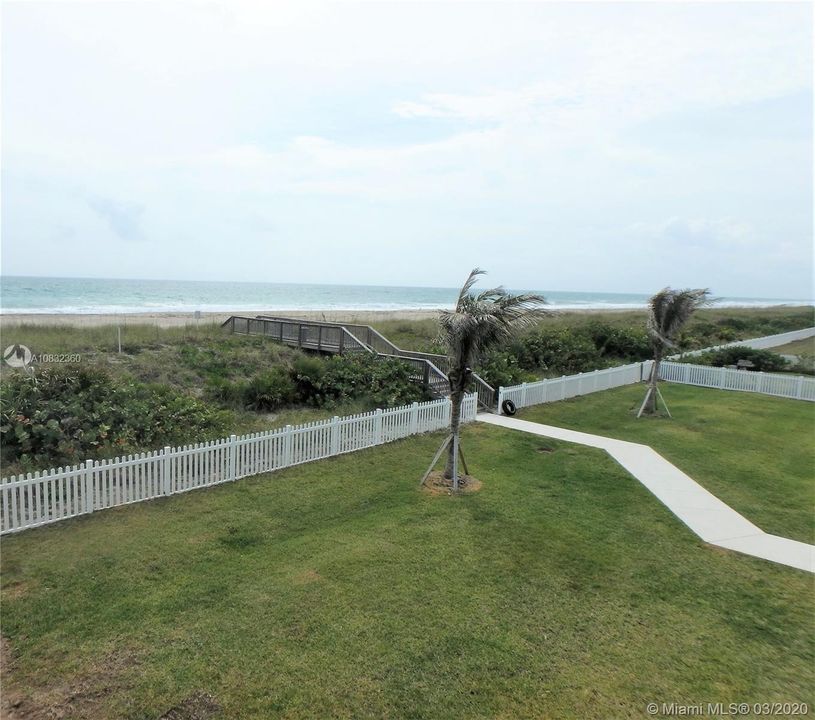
707, 516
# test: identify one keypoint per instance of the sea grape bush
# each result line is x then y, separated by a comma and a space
61, 416
624, 343
321, 382
501, 368
385, 383
559, 349
763, 360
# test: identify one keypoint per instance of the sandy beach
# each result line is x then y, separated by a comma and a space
366, 317
171, 319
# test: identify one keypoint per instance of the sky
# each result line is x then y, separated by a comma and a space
614, 147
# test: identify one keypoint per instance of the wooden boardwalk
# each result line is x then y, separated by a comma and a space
428, 369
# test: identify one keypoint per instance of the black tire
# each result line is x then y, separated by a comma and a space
508, 407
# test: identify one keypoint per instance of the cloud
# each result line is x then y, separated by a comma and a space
726, 233
123, 219
515, 137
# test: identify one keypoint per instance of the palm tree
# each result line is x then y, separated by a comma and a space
668, 311
478, 322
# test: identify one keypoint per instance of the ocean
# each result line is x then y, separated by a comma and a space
99, 296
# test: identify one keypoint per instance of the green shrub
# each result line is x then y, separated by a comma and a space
763, 360
502, 369
269, 390
61, 416
559, 350
308, 372
382, 382
229, 393
624, 343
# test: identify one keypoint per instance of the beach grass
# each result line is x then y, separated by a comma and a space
754, 452
339, 589
104, 338
415, 334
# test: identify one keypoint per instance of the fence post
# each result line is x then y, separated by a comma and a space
233, 456
88, 489
523, 394
166, 471
287, 446
414, 418
799, 387
500, 398
335, 435
562, 387
722, 371
595, 380
378, 427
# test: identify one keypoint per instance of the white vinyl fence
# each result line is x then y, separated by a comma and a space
797, 387
569, 386
768, 341
44, 497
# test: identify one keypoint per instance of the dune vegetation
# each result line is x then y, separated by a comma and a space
204, 383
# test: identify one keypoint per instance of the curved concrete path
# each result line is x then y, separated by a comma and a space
707, 516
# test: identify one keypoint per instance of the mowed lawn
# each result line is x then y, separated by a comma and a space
755, 452
337, 589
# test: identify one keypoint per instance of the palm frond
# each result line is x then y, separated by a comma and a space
669, 310
484, 319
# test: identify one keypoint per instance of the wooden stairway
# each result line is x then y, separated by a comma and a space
428, 369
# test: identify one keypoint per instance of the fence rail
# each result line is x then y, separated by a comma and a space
796, 387
40, 498
569, 386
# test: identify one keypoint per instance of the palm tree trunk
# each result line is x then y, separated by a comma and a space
651, 405
456, 397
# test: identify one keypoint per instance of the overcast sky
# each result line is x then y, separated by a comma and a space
595, 147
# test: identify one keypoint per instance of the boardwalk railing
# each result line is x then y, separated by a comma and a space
434, 370
797, 387
312, 336
40, 498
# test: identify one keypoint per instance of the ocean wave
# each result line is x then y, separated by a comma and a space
237, 309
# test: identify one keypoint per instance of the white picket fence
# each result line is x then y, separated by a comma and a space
768, 341
40, 498
569, 386
797, 387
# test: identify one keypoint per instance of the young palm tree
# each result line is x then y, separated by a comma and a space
478, 322
668, 311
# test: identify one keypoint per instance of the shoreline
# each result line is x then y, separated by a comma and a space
180, 319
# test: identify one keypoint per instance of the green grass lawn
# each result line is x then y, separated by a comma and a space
754, 452
338, 589
797, 347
